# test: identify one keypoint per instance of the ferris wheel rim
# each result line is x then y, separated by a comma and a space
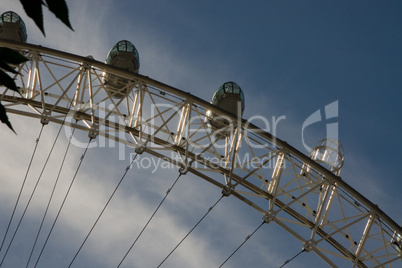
177, 92
215, 109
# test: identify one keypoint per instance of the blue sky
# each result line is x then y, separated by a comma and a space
291, 58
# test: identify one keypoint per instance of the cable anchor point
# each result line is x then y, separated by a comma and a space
308, 246
227, 190
183, 170
268, 217
140, 149
44, 119
93, 133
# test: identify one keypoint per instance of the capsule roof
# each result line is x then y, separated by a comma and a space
228, 88
123, 46
11, 18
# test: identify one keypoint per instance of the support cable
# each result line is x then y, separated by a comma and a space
103, 210
286, 262
143, 229
56, 181
245, 240
32, 194
64, 200
51, 197
22, 187
209, 210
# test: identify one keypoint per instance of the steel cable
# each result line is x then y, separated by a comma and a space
245, 240
22, 188
286, 262
153, 214
181, 241
103, 210
64, 200
51, 197
32, 194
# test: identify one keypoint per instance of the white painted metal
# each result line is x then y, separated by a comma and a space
320, 209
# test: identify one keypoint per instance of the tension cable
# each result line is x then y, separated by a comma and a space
32, 194
245, 240
143, 229
294, 257
209, 210
51, 197
103, 210
64, 200
22, 187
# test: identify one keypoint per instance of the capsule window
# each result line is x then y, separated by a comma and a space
236, 90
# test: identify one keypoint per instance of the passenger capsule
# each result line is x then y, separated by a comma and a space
12, 27
230, 98
123, 55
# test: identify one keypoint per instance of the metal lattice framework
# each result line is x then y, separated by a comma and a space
316, 206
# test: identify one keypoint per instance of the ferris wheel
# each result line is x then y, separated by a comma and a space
304, 195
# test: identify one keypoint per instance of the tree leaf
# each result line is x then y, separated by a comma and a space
7, 68
9, 55
7, 81
4, 117
33, 8
60, 9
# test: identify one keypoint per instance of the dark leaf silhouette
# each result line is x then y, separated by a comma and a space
7, 57
4, 117
33, 8
11, 56
60, 9
7, 81
4, 66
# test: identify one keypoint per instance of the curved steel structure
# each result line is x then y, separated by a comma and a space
319, 208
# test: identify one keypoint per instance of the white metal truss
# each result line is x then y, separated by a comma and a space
328, 216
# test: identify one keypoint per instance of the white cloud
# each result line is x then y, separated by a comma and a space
97, 28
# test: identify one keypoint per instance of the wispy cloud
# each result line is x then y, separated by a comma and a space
97, 27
